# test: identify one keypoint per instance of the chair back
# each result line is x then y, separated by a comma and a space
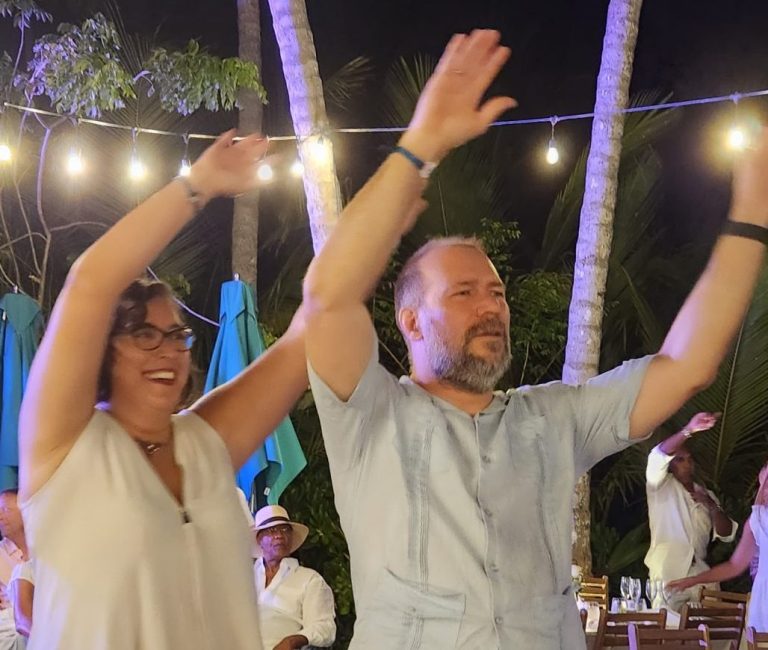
642, 638
756, 640
713, 597
613, 628
595, 590
725, 621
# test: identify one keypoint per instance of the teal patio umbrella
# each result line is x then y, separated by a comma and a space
21, 325
268, 472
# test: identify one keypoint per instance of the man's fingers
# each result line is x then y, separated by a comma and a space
493, 108
479, 48
452, 51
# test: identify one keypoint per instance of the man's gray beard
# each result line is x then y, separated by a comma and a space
464, 370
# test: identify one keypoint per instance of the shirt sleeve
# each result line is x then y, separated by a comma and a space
23, 571
734, 526
657, 468
603, 408
318, 613
345, 424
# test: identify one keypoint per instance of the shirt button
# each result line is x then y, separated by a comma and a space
487, 512
494, 568
486, 459
498, 620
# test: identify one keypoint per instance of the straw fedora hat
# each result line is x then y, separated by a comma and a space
271, 516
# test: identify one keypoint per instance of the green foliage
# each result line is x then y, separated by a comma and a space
538, 304
79, 69
23, 12
192, 79
347, 82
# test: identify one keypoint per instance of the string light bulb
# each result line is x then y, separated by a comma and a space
265, 173
319, 148
136, 169
553, 154
736, 138
186, 167
5, 153
297, 169
75, 163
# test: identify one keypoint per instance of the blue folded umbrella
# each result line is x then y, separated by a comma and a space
21, 326
272, 467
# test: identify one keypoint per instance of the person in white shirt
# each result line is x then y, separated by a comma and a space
296, 607
684, 515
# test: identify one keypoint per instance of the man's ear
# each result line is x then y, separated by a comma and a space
408, 322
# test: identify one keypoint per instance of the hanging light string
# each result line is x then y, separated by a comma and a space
733, 97
552, 120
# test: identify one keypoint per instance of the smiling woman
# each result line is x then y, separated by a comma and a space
130, 508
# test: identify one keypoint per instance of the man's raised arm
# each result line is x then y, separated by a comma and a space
708, 321
449, 112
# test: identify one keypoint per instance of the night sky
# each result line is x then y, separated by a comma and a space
686, 49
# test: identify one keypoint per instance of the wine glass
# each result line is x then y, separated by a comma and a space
651, 591
637, 591
626, 587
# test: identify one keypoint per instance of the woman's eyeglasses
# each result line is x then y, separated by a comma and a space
148, 337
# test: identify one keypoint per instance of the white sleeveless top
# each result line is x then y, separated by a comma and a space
117, 567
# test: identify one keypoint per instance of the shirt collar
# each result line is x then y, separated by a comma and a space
498, 402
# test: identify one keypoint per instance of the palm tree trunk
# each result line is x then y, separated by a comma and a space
593, 247
245, 222
310, 122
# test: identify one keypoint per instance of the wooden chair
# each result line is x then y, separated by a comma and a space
595, 590
710, 597
613, 628
756, 640
725, 622
645, 638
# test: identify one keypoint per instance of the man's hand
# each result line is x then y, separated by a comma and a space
702, 496
292, 642
449, 111
701, 422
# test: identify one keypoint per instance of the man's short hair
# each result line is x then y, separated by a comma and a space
409, 288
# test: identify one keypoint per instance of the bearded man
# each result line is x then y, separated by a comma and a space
455, 499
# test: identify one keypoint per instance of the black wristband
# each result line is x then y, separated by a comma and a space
747, 230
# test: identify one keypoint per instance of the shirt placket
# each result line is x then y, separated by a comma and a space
490, 563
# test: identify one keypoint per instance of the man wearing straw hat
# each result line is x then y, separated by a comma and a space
296, 607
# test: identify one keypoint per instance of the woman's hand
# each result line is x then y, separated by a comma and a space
681, 585
228, 167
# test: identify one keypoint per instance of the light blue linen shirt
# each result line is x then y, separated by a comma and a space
459, 527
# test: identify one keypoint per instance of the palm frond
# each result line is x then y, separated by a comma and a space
347, 82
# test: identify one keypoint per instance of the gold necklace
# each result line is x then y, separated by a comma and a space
151, 448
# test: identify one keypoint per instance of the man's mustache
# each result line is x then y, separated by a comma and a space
490, 327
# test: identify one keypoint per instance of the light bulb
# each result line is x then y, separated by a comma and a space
136, 170
75, 164
5, 153
265, 173
737, 139
553, 155
185, 168
297, 169
320, 149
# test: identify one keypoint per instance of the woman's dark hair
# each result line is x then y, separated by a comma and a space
131, 313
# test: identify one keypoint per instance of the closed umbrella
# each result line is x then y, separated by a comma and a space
272, 467
21, 325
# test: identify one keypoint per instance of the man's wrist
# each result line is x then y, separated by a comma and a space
423, 145
687, 433
745, 230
